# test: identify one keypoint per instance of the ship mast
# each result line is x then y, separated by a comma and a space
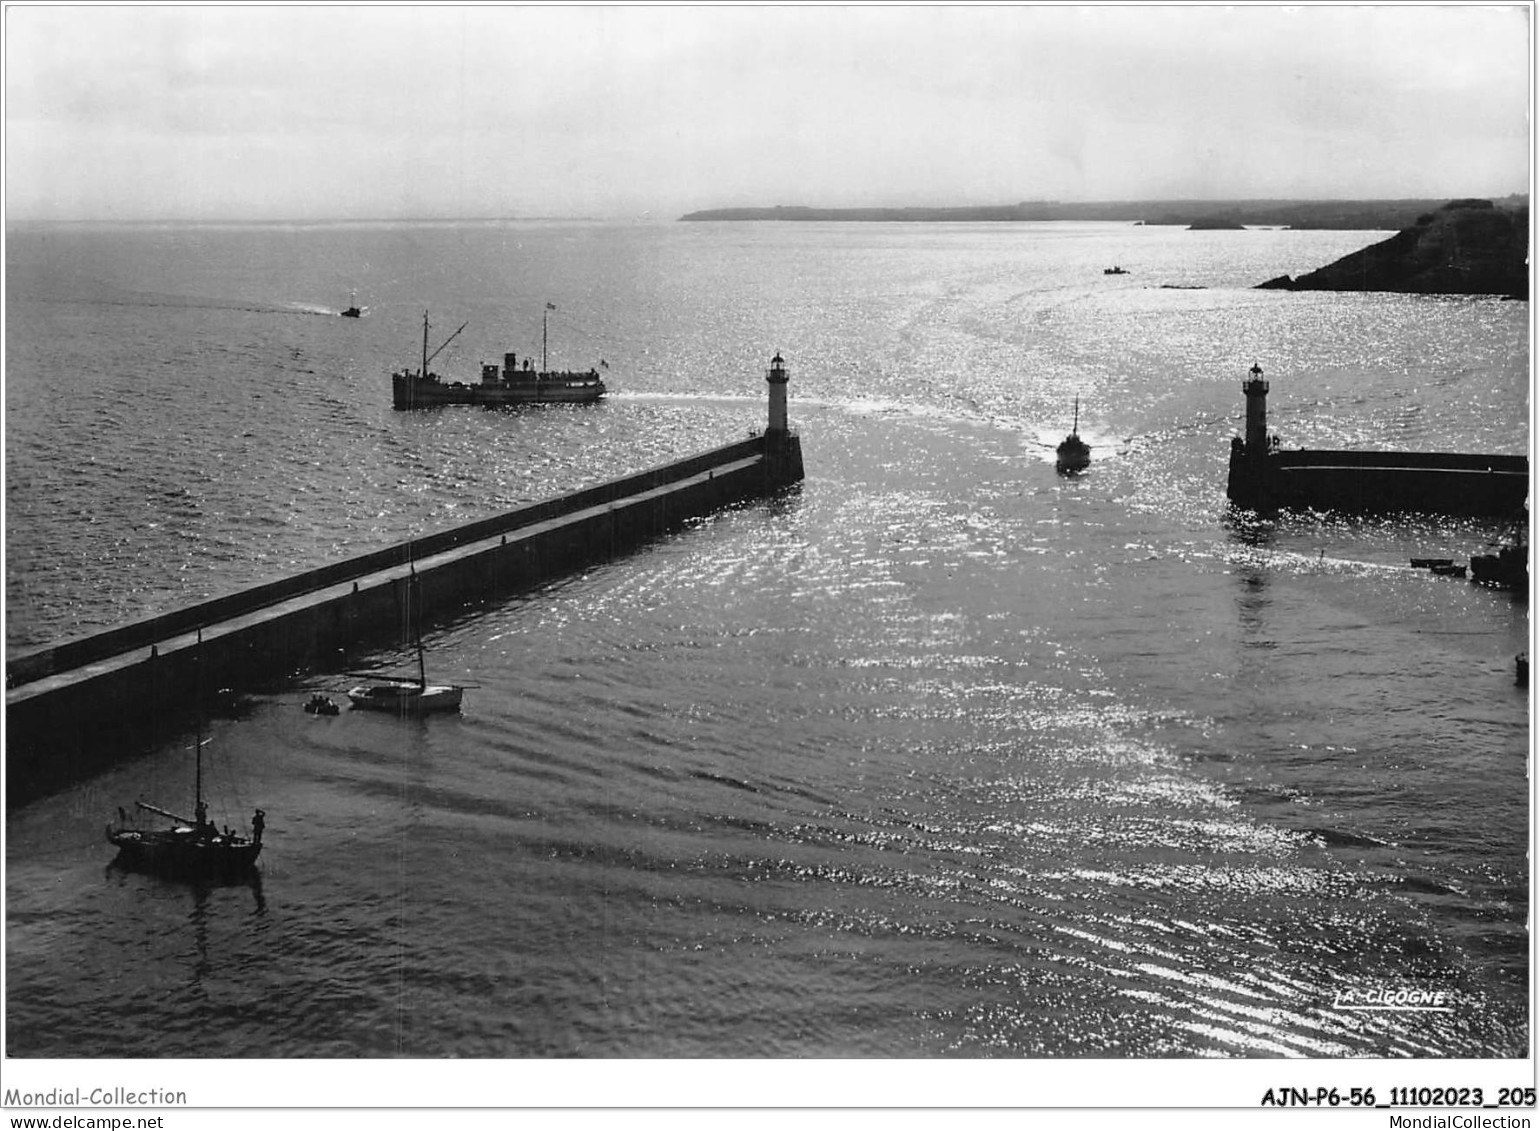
545, 318
414, 589
198, 741
198, 808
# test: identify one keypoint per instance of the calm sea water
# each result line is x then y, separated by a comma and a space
939, 755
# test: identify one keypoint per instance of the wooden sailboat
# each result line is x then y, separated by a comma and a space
194, 848
406, 696
1074, 454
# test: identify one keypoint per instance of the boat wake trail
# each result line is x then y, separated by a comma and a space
190, 303
62, 287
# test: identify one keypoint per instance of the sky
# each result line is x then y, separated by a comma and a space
301, 112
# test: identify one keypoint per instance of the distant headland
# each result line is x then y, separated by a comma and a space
1465, 247
1349, 215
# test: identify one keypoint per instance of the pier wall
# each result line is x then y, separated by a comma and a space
1378, 482
74, 708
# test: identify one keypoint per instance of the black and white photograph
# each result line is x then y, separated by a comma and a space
753, 557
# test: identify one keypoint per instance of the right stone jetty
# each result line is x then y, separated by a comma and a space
1264, 477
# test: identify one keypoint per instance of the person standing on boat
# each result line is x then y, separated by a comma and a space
258, 823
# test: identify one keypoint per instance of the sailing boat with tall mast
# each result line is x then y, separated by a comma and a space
1074, 454
407, 696
193, 847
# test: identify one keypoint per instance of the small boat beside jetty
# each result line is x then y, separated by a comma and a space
406, 697
512, 383
1074, 454
409, 697
1506, 569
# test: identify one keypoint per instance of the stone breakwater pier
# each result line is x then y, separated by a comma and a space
1265, 477
73, 708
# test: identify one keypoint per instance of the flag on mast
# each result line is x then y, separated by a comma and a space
550, 306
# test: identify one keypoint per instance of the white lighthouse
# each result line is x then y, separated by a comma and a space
776, 376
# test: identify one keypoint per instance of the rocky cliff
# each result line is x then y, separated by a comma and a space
1467, 247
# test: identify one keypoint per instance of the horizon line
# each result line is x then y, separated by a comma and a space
656, 213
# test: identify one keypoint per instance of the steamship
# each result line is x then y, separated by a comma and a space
512, 383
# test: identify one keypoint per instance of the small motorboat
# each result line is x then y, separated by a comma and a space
1113, 271
352, 311
1431, 563
1448, 569
1074, 454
